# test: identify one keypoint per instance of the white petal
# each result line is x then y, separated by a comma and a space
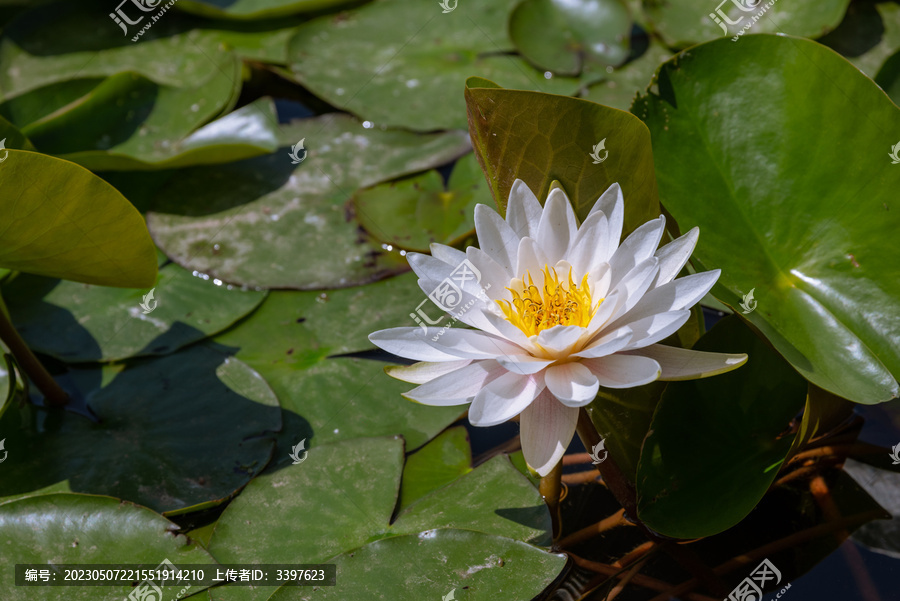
495, 237
607, 309
674, 255
410, 343
447, 254
419, 373
637, 248
504, 398
572, 383
494, 277
686, 364
637, 282
559, 339
529, 258
623, 371
682, 293
612, 204
656, 327
458, 387
523, 211
523, 364
587, 251
608, 344
509, 331
546, 428
473, 344
558, 226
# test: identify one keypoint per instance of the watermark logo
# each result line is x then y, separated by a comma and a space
445, 4
749, 303
894, 154
451, 596
149, 303
121, 18
296, 149
750, 588
601, 145
5, 452
6, 152
595, 452
295, 452
895, 455
148, 590
448, 296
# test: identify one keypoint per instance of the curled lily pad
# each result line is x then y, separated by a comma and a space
256, 9
561, 35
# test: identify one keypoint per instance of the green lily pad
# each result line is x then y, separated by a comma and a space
691, 486
267, 222
61, 220
681, 23
414, 212
415, 75
807, 235
868, 35
475, 565
560, 35
47, 44
343, 496
185, 429
127, 122
883, 483
80, 323
87, 529
539, 138
438, 463
256, 9
619, 88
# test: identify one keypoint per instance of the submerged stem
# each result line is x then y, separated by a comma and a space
28, 363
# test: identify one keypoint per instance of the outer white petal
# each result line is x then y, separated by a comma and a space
419, 373
410, 343
447, 254
457, 387
586, 250
637, 248
623, 371
495, 237
523, 211
650, 330
674, 255
686, 364
682, 293
607, 344
572, 383
612, 203
504, 398
546, 428
523, 364
473, 344
558, 226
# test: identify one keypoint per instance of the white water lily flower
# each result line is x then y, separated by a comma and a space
559, 311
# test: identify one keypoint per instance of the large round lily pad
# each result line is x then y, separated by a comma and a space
343, 496
79, 323
802, 231
274, 223
173, 432
404, 62
87, 529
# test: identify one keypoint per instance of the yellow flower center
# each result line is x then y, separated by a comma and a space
534, 309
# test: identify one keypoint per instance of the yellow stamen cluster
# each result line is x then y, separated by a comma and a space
534, 309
